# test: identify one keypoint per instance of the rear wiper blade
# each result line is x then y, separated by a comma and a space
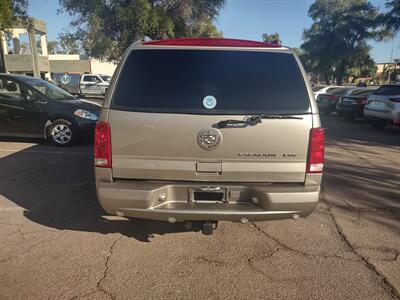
254, 120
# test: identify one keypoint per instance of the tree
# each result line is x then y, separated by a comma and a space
337, 40
301, 55
53, 47
106, 28
68, 44
272, 38
391, 19
25, 48
9, 10
5, 14
366, 67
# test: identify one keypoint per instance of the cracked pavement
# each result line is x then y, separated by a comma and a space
57, 243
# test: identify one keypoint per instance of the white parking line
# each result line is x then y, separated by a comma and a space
13, 208
44, 152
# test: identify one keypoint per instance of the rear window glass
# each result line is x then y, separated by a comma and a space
317, 88
361, 92
238, 81
337, 91
388, 90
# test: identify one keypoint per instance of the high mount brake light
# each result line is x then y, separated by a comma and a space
102, 145
316, 149
212, 42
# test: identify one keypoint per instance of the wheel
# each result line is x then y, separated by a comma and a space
377, 124
61, 133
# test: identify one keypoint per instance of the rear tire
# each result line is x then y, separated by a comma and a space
62, 133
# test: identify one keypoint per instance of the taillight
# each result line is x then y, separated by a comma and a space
316, 149
102, 145
332, 98
395, 100
360, 101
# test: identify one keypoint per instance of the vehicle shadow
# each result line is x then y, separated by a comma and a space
338, 129
56, 189
359, 163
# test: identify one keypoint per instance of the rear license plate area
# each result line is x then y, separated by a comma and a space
207, 194
347, 102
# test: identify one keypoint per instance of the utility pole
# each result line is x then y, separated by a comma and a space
2, 61
32, 42
391, 60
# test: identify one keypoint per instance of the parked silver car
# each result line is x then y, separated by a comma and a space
383, 106
318, 89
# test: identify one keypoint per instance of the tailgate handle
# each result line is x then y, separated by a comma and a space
209, 167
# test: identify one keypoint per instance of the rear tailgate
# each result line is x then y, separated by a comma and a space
158, 146
164, 98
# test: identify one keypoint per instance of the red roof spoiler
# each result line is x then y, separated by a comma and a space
212, 42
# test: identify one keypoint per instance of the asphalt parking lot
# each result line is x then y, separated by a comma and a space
57, 243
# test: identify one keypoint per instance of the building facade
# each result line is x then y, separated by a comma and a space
25, 52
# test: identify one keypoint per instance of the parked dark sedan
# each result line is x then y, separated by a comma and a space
31, 107
327, 102
352, 106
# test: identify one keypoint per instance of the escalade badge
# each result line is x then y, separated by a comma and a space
209, 138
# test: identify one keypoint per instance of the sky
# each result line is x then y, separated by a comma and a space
244, 19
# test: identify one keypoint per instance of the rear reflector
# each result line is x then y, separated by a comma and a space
213, 42
316, 149
102, 145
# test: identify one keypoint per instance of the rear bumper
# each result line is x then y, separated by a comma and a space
351, 109
164, 200
383, 115
327, 106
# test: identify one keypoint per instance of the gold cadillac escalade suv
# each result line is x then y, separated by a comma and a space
206, 129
